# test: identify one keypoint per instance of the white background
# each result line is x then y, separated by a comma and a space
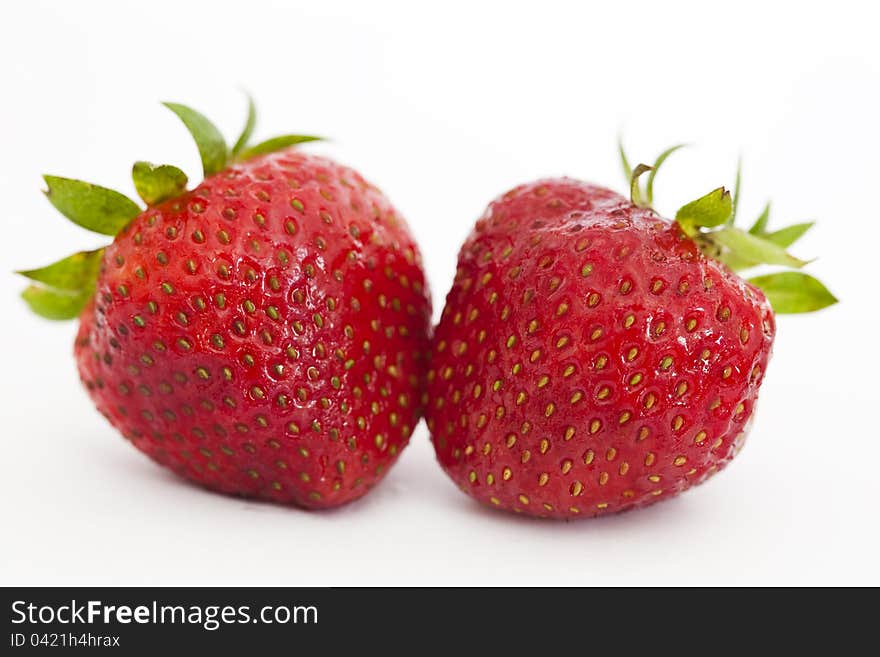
445, 108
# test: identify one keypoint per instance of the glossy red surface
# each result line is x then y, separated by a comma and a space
264, 334
589, 359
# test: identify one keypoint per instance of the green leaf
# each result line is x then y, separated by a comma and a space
627, 169
635, 194
248, 129
787, 236
211, 145
736, 187
157, 182
710, 210
55, 305
760, 225
754, 249
93, 207
72, 275
735, 262
784, 237
794, 292
649, 189
276, 144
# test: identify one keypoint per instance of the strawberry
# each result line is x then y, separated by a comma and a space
262, 334
594, 357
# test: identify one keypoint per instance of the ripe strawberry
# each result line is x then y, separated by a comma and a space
262, 334
591, 358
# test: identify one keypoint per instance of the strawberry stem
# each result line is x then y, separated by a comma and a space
635, 191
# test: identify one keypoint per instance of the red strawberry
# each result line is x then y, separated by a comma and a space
262, 334
591, 358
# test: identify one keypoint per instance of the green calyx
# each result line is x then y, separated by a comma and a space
95, 208
709, 221
212, 147
156, 183
60, 291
